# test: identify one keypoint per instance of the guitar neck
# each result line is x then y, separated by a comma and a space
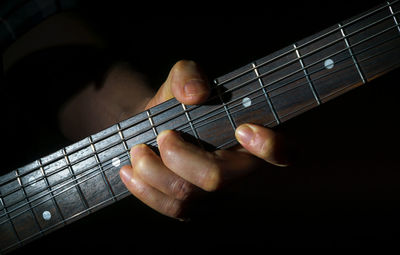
79, 179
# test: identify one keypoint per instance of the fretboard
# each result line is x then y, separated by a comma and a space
79, 179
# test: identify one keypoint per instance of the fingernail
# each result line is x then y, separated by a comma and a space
126, 175
195, 87
244, 134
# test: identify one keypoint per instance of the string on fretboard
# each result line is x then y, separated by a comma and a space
81, 178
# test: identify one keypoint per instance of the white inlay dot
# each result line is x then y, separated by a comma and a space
246, 102
116, 162
46, 215
329, 64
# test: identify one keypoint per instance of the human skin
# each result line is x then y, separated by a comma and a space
183, 171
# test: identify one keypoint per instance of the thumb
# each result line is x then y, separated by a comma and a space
263, 143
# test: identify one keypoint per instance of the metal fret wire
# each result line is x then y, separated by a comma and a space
63, 221
269, 61
40, 191
252, 69
394, 17
67, 219
351, 54
95, 168
126, 192
310, 83
99, 163
88, 156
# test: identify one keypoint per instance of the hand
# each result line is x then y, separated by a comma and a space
169, 181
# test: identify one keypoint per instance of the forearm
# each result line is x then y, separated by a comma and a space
123, 93
120, 93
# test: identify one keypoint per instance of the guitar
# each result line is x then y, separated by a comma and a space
82, 178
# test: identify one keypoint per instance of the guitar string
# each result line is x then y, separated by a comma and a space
269, 61
194, 121
124, 159
293, 50
126, 192
73, 163
192, 108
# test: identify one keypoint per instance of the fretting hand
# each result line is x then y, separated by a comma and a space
167, 182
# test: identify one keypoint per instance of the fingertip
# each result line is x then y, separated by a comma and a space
188, 84
244, 134
161, 136
126, 174
195, 91
136, 149
256, 139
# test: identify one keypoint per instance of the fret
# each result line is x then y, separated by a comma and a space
192, 129
225, 107
70, 196
37, 224
83, 200
49, 188
394, 16
247, 98
168, 115
211, 123
85, 166
18, 211
307, 76
121, 135
8, 232
375, 40
117, 162
63, 198
137, 129
189, 121
151, 123
284, 80
266, 94
97, 187
328, 63
110, 150
351, 54
39, 197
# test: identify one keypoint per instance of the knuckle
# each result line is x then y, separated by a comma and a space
171, 208
181, 189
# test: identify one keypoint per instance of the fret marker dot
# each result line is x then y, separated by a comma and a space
246, 102
116, 162
46, 215
329, 64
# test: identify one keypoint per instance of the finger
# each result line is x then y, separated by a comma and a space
185, 82
263, 143
149, 167
206, 170
149, 195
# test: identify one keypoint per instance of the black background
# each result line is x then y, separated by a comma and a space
345, 195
